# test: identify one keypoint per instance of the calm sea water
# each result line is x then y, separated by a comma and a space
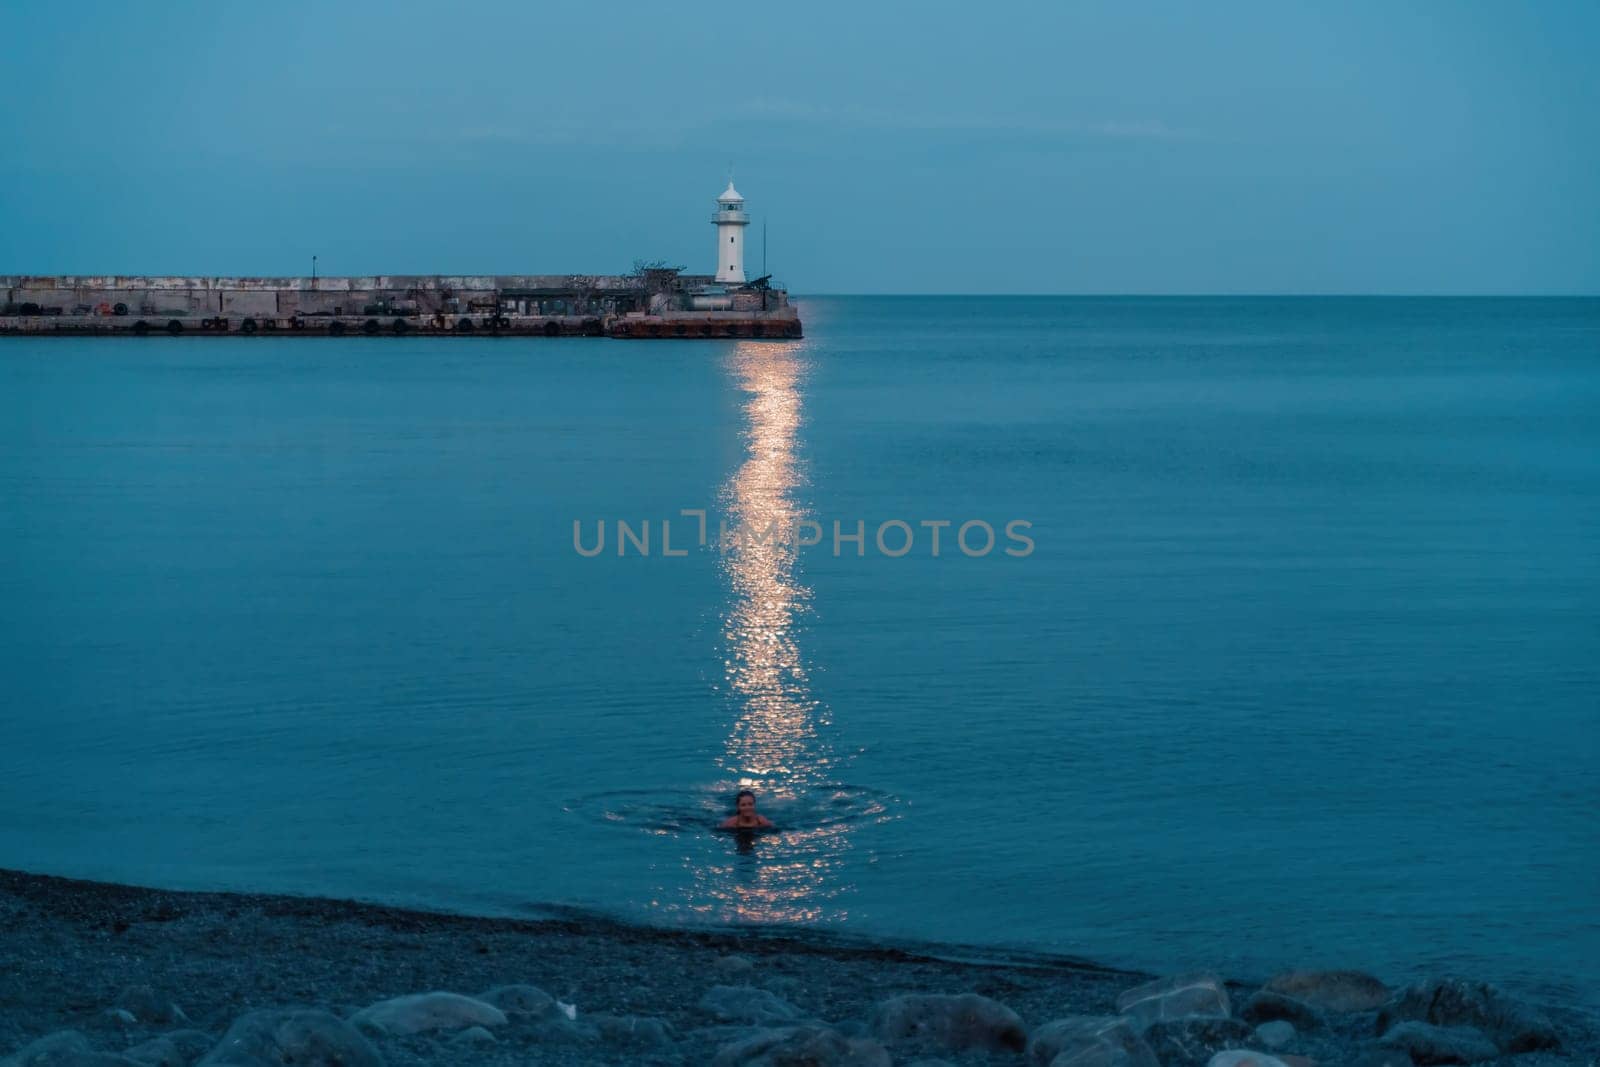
1302, 667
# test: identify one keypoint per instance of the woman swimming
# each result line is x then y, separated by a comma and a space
746, 818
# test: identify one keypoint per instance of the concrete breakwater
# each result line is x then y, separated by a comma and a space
648, 303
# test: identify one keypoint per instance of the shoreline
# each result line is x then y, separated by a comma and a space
92, 957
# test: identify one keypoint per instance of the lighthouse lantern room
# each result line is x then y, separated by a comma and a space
730, 220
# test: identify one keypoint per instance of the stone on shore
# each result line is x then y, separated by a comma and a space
304, 1038
802, 1046
148, 1007
1192, 1041
1082, 1040
967, 1021
1275, 1034
62, 1043
118, 1020
472, 1037
419, 1012
746, 1004
1336, 991
733, 966
1174, 998
1241, 1057
632, 1030
1429, 1044
65, 1048
1383, 1057
1094, 1056
178, 1048
560, 1030
516, 1000
1267, 1006
782, 984
1455, 1002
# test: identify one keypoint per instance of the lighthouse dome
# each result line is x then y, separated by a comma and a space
730, 195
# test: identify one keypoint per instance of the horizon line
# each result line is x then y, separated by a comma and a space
1442, 295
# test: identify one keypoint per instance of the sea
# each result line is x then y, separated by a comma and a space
1164, 633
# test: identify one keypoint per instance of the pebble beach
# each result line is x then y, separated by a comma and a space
102, 974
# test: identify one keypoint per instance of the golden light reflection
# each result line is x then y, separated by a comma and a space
774, 746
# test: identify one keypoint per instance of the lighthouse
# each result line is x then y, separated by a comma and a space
730, 220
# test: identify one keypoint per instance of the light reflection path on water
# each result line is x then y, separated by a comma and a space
776, 743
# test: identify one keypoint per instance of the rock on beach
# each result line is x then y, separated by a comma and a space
149, 1007
966, 1021
178, 1048
1195, 1039
1174, 998
1429, 1044
419, 1012
1275, 1034
1456, 1002
1334, 991
794, 1046
632, 1030
65, 1048
303, 1038
472, 1035
520, 1000
734, 966
1244, 1058
1084, 1040
746, 1004
1267, 1006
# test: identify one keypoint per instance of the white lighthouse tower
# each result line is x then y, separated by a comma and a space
730, 220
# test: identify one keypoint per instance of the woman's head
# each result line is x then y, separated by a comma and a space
745, 802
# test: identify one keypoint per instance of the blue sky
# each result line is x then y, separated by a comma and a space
1061, 147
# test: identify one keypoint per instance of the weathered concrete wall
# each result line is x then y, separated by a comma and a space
462, 282
547, 304
780, 324
394, 294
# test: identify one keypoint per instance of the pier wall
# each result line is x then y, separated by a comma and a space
286, 297
547, 305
